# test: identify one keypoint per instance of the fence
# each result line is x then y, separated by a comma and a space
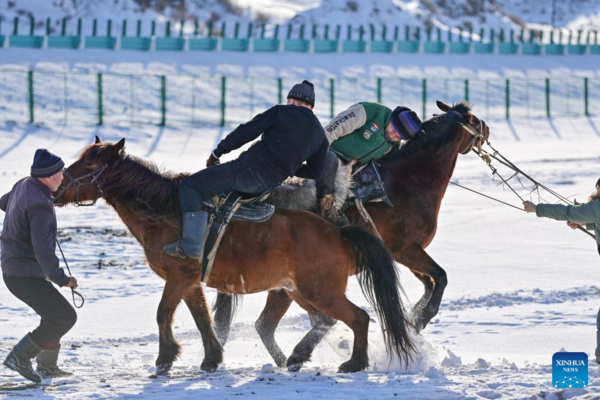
194, 35
116, 99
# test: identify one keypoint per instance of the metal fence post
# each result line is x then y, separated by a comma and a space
424, 99
331, 97
507, 99
466, 90
279, 91
163, 100
99, 92
223, 90
586, 96
548, 97
379, 90
31, 100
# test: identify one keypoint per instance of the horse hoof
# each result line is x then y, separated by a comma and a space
349, 366
163, 369
294, 367
209, 367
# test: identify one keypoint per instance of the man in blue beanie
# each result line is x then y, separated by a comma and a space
29, 265
290, 136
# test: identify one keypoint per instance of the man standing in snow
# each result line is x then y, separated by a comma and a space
29, 265
580, 216
362, 133
290, 136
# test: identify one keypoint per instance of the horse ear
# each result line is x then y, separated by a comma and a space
97, 140
119, 146
443, 106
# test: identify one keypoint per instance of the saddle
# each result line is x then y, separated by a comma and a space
224, 208
368, 186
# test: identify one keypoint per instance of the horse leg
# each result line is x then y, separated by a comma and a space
277, 304
424, 300
321, 324
338, 307
213, 351
418, 261
169, 348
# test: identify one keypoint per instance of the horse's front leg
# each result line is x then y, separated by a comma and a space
419, 262
169, 348
213, 351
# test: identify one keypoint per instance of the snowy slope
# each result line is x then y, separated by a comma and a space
572, 14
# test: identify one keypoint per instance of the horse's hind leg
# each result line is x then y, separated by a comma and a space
334, 307
321, 324
213, 351
169, 349
277, 304
419, 262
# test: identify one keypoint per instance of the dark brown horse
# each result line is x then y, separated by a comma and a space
296, 251
416, 178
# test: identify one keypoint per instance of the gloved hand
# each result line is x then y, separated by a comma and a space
212, 160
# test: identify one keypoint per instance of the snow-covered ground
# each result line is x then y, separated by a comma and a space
520, 288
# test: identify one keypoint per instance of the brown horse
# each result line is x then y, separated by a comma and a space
296, 251
416, 178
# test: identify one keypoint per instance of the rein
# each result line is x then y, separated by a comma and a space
73, 291
487, 157
95, 175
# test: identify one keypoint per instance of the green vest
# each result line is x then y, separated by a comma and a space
367, 142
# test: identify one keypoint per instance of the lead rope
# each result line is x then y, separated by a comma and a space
487, 158
73, 291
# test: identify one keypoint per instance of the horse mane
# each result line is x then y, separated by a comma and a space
435, 132
142, 187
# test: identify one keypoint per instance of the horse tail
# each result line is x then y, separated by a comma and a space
380, 284
225, 308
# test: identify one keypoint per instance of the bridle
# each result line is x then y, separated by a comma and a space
476, 136
77, 182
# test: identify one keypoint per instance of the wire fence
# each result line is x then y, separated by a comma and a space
73, 98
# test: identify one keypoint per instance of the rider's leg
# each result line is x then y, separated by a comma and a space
325, 190
224, 178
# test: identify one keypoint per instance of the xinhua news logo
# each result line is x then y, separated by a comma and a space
569, 370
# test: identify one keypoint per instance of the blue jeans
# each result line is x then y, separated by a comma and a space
224, 178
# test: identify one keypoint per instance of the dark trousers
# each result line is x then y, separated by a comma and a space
58, 316
224, 178
326, 184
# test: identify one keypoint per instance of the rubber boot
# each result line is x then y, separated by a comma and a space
194, 227
19, 359
47, 365
329, 211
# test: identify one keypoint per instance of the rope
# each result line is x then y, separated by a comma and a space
73, 291
367, 217
497, 156
489, 197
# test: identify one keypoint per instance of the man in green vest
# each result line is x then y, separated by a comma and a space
362, 133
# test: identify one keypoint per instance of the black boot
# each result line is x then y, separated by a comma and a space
47, 365
19, 359
194, 226
329, 211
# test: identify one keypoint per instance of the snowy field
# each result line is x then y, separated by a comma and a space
520, 288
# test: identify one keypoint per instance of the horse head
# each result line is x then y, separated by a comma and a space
82, 183
472, 131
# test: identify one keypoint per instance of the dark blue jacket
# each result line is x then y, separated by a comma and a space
290, 135
28, 240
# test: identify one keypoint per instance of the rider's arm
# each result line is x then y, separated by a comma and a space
346, 122
247, 132
42, 225
315, 164
582, 213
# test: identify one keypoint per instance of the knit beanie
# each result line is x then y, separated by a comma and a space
406, 122
304, 91
45, 164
